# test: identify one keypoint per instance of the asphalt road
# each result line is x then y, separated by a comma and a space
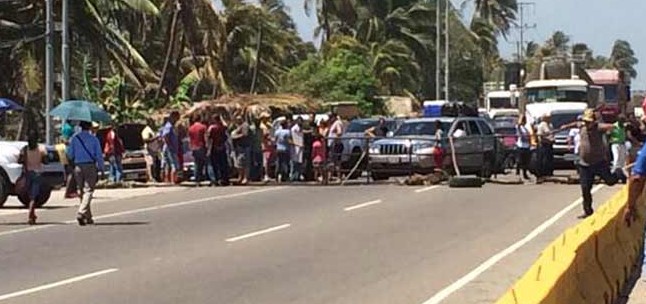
353, 244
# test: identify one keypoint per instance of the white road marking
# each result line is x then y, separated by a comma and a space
56, 284
147, 209
257, 233
362, 205
426, 189
466, 279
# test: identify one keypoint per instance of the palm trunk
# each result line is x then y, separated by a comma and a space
255, 68
169, 50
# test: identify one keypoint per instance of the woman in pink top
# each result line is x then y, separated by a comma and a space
318, 156
32, 158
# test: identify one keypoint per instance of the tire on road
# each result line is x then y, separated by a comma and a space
41, 200
465, 182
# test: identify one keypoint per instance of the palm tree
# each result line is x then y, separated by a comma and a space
500, 13
623, 58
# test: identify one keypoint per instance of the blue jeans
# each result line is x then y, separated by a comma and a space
282, 164
220, 165
295, 174
116, 169
199, 159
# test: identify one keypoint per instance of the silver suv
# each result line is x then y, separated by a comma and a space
411, 149
354, 138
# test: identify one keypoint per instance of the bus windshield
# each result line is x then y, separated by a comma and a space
555, 94
500, 103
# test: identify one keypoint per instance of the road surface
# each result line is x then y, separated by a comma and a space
291, 244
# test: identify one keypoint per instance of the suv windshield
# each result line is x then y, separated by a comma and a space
360, 126
420, 128
552, 94
560, 119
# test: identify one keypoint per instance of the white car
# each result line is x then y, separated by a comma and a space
10, 170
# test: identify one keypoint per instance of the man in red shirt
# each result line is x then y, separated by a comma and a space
113, 150
197, 144
217, 150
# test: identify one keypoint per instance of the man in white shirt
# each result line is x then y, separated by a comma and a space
296, 149
334, 143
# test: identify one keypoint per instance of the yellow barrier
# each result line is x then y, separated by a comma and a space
587, 264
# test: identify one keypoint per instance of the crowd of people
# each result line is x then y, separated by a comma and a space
292, 150
602, 149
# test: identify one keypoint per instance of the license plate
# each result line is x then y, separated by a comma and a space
132, 176
393, 160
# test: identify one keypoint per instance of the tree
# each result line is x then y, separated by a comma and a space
499, 13
343, 74
623, 58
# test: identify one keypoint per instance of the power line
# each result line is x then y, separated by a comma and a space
522, 27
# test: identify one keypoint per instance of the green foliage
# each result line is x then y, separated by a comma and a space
343, 76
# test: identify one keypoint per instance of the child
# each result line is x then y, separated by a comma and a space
318, 157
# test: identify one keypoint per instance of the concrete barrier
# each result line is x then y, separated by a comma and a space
589, 263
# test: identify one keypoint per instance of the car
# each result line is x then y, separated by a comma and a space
411, 149
134, 159
10, 170
354, 140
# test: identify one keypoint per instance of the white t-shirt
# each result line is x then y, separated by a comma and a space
459, 133
297, 135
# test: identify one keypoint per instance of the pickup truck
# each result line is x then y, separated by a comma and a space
10, 170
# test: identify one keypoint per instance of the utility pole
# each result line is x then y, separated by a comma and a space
49, 68
65, 53
446, 51
523, 27
438, 34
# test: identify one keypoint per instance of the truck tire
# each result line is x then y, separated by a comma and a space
4, 188
41, 200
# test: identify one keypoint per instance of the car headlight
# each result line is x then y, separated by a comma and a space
374, 150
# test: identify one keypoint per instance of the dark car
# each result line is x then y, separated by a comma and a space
134, 159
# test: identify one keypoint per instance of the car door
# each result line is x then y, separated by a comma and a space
463, 144
474, 144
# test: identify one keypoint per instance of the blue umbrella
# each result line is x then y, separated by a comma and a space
9, 105
80, 110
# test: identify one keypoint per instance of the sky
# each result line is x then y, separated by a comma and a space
595, 22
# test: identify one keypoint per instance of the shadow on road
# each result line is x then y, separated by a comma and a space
38, 223
120, 223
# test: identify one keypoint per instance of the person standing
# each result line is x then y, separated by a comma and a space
85, 150
170, 149
318, 157
67, 131
523, 152
545, 147
267, 144
282, 136
296, 150
153, 146
197, 144
32, 157
334, 143
241, 148
217, 151
618, 147
592, 158
113, 150
635, 186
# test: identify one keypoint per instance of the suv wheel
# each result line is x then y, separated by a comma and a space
4, 189
487, 167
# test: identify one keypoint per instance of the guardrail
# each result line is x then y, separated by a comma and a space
589, 263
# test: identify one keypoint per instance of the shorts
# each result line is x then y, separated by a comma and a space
170, 160
241, 157
337, 153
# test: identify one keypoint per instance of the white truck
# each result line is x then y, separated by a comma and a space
564, 100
